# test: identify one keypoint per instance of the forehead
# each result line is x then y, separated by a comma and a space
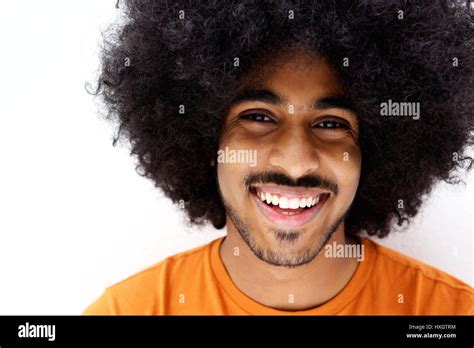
299, 76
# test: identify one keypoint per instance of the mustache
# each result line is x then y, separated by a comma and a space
306, 181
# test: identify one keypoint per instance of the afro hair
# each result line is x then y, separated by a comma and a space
163, 56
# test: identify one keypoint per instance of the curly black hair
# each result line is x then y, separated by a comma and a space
166, 56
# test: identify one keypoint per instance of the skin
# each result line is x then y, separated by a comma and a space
294, 139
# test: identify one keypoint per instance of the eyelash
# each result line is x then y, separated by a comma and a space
259, 118
339, 125
249, 117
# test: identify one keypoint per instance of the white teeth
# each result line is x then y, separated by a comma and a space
288, 203
283, 203
315, 200
294, 203
302, 202
275, 200
268, 197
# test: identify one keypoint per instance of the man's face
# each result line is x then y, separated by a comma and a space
288, 204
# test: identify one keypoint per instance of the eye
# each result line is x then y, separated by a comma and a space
257, 117
331, 125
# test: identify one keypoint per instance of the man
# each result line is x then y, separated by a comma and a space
300, 127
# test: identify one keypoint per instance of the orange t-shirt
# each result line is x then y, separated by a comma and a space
196, 283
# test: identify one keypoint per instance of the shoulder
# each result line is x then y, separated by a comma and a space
146, 290
429, 288
192, 258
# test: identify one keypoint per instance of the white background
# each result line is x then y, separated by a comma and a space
74, 215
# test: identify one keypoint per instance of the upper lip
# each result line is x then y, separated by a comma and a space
288, 191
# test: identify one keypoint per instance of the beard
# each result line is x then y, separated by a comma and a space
278, 258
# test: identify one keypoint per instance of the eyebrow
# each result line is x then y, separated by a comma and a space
267, 96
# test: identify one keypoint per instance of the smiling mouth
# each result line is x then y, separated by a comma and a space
289, 209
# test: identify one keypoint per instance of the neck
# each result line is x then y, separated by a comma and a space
298, 288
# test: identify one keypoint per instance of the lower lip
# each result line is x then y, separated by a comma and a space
283, 220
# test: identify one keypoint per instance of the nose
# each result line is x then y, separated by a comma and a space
294, 152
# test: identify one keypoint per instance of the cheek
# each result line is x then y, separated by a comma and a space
230, 177
347, 171
225, 178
